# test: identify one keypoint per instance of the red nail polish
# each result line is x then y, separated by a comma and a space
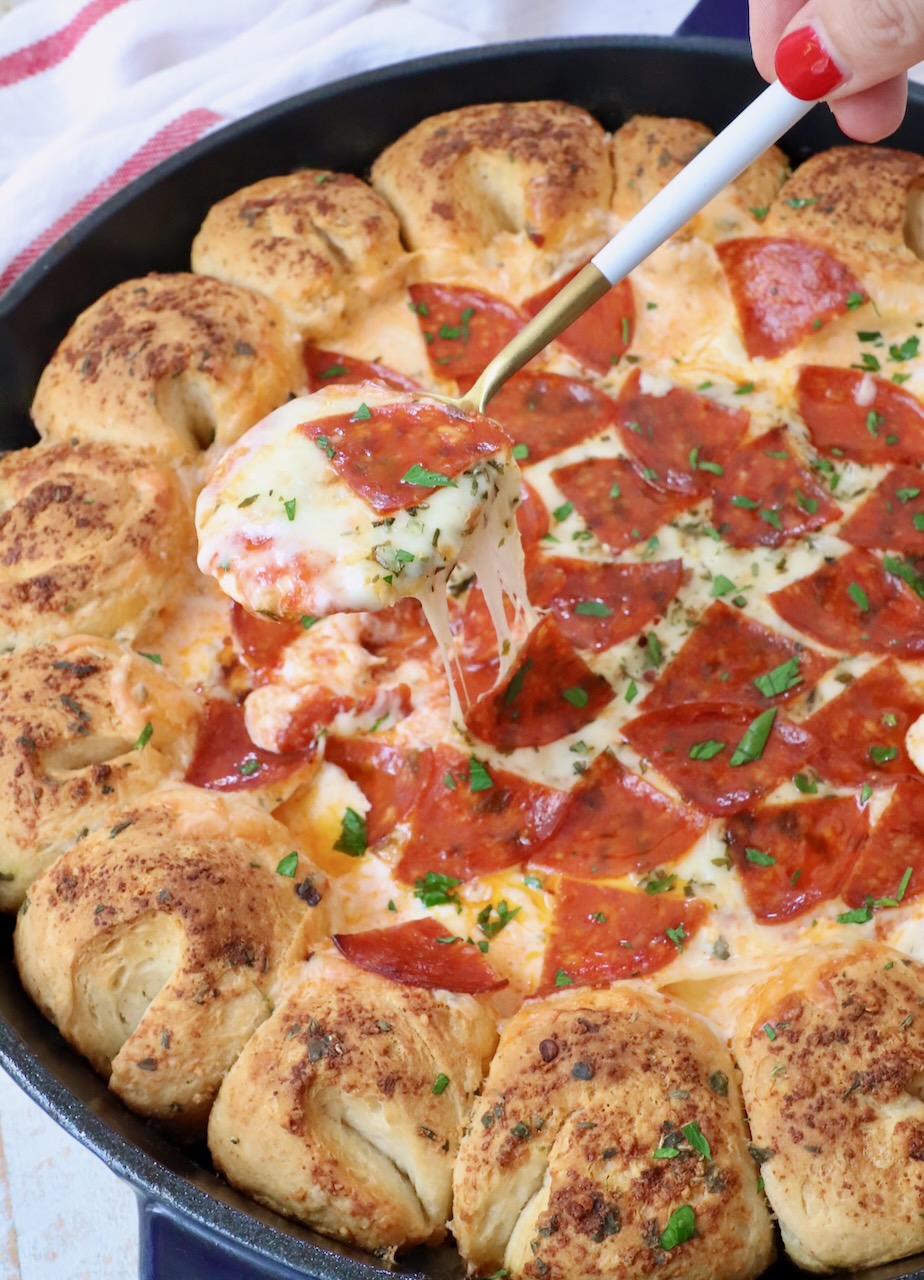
804, 66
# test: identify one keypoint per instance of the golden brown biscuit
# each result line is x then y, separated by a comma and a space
608, 1141
322, 245
168, 362
156, 946
85, 725
832, 1055
858, 202
93, 539
524, 171
346, 1108
648, 151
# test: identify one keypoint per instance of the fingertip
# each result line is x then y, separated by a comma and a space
875, 113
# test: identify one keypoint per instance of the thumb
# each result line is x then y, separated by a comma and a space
854, 53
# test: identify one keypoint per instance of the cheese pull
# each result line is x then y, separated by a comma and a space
351, 498
356, 496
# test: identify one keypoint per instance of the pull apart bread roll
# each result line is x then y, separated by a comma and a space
533, 174
649, 151
863, 203
156, 946
94, 539
323, 246
346, 1108
85, 726
832, 1055
354, 497
168, 362
609, 1140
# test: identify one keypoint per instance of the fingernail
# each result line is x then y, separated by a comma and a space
805, 67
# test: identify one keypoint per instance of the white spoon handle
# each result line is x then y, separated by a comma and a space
738, 145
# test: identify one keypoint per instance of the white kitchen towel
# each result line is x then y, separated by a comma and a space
94, 92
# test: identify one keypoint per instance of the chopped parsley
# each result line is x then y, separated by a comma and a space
478, 777
420, 475
751, 746
287, 865
352, 839
681, 1226
440, 1084
593, 609
437, 890
362, 414
780, 679
491, 928
577, 696
707, 750
759, 858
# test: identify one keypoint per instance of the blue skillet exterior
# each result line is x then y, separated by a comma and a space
192, 1225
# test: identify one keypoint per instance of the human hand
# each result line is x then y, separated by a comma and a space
853, 53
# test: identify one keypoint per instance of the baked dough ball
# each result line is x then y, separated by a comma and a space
648, 151
322, 245
533, 171
169, 362
85, 725
832, 1055
346, 1108
156, 946
608, 1141
860, 203
93, 539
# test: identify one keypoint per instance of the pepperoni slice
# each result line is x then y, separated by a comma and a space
470, 821
599, 934
856, 606
374, 453
546, 412
723, 657
603, 334
864, 729
792, 856
616, 503
766, 496
532, 519
226, 759
598, 604
864, 417
548, 693
421, 953
389, 777
615, 822
679, 437
694, 744
894, 845
784, 290
327, 368
260, 641
893, 517
463, 328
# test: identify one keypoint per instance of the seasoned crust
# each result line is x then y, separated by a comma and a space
557, 1174
322, 245
859, 202
167, 362
94, 539
336, 1112
520, 171
648, 151
833, 1094
74, 743
156, 946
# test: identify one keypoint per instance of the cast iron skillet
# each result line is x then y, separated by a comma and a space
193, 1225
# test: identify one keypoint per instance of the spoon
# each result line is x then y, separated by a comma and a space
728, 155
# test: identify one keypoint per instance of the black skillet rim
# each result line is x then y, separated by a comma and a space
164, 1177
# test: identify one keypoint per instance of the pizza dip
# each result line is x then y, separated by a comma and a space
549, 793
